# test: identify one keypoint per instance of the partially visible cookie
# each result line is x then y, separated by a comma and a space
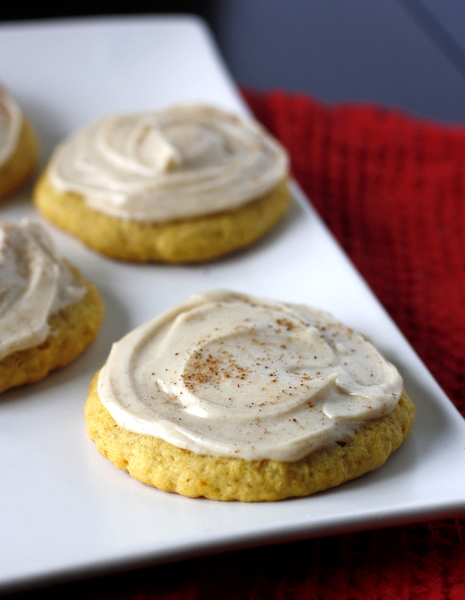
233, 397
188, 184
49, 314
19, 153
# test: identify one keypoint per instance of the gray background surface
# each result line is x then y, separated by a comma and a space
401, 53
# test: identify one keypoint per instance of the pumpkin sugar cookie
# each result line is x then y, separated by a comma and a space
49, 314
181, 185
233, 397
19, 153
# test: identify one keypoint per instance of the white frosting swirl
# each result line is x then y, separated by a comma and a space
10, 125
35, 283
178, 163
233, 375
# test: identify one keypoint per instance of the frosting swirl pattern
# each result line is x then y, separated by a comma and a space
10, 125
233, 375
35, 283
178, 163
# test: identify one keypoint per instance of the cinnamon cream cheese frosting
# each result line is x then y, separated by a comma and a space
10, 125
178, 163
233, 375
35, 283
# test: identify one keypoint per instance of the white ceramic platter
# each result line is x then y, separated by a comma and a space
64, 510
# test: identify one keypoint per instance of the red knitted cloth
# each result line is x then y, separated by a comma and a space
392, 190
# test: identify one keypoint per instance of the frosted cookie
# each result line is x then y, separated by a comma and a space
233, 397
186, 184
18, 146
49, 313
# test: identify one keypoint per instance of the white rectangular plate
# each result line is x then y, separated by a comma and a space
65, 510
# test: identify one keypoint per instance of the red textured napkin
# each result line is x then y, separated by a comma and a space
392, 190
